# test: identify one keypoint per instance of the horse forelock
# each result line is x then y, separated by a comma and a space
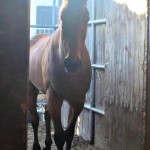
74, 7
74, 3
73, 21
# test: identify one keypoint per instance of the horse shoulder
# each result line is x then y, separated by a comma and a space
35, 39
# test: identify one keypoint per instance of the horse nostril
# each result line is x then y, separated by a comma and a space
72, 65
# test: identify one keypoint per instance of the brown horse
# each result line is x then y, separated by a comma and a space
60, 67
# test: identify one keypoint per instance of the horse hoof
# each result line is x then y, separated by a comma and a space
36, 146
47, 148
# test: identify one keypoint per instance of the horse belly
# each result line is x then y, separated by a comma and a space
37, 81
35, 70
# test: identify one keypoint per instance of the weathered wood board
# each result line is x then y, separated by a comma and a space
14, 37
120, 88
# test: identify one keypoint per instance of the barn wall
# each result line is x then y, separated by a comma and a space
125, 47
125, 103
14, 37
120, 88
123, 129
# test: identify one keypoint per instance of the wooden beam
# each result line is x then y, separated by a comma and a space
14, 42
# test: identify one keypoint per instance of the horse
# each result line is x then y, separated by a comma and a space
60, 67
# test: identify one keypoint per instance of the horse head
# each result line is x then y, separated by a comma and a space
74, 17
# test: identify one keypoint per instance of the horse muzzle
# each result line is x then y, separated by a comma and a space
71, 65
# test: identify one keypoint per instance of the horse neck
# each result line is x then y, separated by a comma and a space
57, 42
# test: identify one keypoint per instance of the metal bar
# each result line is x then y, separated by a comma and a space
95, 66
56, 25
147, 81
100, 21
92, 118
53, 13
42, 26
101, 112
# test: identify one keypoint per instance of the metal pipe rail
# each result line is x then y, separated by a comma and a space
95, 66
44, 26
88, 107
98, 21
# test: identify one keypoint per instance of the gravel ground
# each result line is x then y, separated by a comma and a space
78, 142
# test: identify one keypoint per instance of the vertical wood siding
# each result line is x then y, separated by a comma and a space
119, 89
125, 54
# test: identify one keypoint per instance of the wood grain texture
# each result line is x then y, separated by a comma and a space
125, 39
14, 41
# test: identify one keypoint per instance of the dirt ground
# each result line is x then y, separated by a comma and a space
78, 142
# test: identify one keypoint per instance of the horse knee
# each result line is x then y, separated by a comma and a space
69, 138
48, 143
69, 134
59, 140
34, 118
47, 115
36, 146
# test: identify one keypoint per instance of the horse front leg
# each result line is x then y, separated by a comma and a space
74, 112
54, 107
35, 124
48, 141
33, 92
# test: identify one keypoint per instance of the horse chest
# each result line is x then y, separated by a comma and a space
69, 86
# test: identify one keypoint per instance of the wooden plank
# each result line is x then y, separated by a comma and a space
85, 125
147, 87
99, 44
14, 35
125, 38
124, 76
123, 130
125, 35
99, 137
100, 13
100, 90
